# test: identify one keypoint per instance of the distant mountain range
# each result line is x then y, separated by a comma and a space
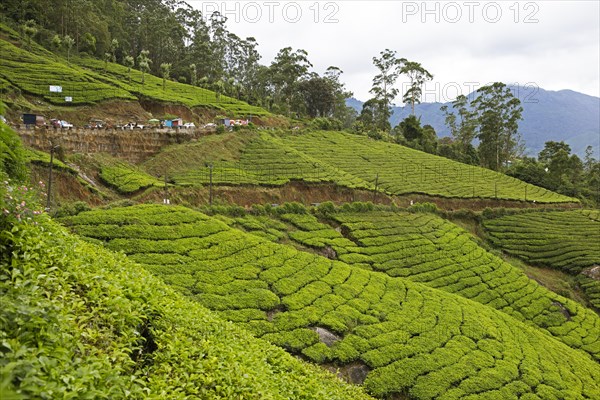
563, 115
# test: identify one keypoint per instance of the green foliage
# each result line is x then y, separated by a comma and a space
246, 158
565, 240
88, 80
383, 89
33, 72
291, 208
417, 76
498, 116
326, 208
374, 118
357, 206
38, 157
70, 209
126, 179
68, 42
423, 208
414, 339
426, 249
165, 72
80, 322
325, 124
19, 205
410, 133
13, 169
559, 170
401, 170
493, 118
123, 176
261, 158
591, 288
12, 155
129, 62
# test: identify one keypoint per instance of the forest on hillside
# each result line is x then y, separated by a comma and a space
173, 40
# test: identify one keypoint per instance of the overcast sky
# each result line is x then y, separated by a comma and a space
464, 44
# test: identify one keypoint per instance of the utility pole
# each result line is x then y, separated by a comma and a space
376, 184
166, 200
52, 148
210, 193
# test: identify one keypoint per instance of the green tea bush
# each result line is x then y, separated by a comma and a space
357, 207
423, 208
422, 341
126, 178
400, 170
564, 240
425, 248
31, 69
356, 162
78, 321
291, 208
12, 155
71, 209
326, 209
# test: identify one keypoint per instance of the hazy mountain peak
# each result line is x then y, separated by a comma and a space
563, 115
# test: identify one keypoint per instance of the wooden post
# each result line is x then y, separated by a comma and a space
166, 190
376, 184
210, 192
52, 148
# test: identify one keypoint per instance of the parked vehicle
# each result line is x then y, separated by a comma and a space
33, 119
58, 123
132, 125
95, 124
189, 125
210, 125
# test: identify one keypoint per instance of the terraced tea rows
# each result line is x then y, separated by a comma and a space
568, 240
80, 322
400, 170
412, 339
174, 92
352, 161
424, 248
87, 80
267, 161
565, 240
313, 233
347, 160
126, 178
34, 74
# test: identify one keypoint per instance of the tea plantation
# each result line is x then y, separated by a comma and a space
428, 249
32, 69
261, 160
412, 339
34, 72
353, 161
400, 170
80, 322
565, 240
122, 176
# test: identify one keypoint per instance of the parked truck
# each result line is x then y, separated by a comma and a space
34, 119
